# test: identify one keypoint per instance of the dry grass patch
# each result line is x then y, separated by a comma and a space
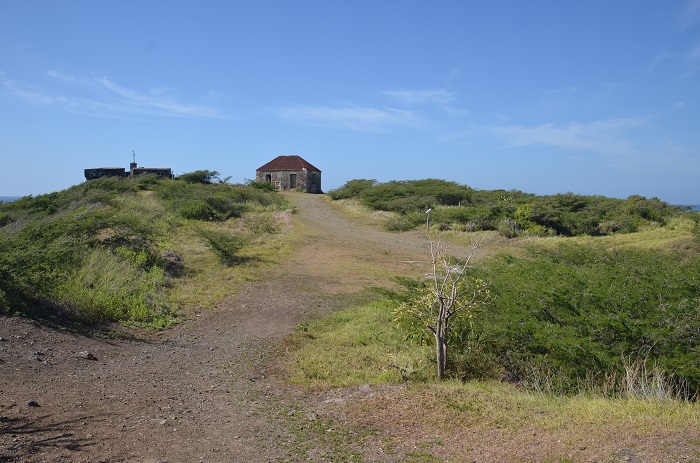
494, 422
353, 209
207, 281
351, 347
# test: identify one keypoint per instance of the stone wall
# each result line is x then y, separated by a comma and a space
158, 171
92, 174
99, 172
308, 181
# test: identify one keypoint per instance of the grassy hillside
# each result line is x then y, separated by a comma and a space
135, 250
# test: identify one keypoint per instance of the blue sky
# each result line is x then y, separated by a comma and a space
594, 97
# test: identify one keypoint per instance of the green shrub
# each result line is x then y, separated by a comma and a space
265, 186
575, 309
508, 228
224, 200
351, 189
414, 195
226, 245
568, 314
403, 222
199, 176
565, 214
198, 210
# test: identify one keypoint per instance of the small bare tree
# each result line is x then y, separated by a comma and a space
450, 291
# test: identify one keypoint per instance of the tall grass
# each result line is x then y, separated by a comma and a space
111, 249
353, 347
109, 288
639, 379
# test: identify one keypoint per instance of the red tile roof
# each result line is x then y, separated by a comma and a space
288, 163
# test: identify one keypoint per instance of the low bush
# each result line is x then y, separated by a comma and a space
576, 317
458, 207
351, 189
265, 186
198, 210
225, 244
576, 309
199, 176
401, 223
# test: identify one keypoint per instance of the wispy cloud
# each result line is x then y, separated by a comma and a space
441, 97
100, 96
684, 64
690, 14
364, 119
603, 136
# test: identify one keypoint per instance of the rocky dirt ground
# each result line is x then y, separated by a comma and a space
208, 389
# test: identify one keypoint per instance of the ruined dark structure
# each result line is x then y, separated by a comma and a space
92, 174
290, 173
134, 169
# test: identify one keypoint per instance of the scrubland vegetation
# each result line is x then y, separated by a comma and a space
511, 213
578, 318
592, 295
129, 250
614, 312
590, 322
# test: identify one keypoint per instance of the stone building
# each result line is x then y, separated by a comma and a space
92, 174
134, 169
160, 172
290, 173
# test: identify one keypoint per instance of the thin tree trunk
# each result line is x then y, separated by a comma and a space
441, 350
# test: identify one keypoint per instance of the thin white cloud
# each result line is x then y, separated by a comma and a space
27, 93
616, 142
693, 55
441, 97
690, 14
104, 98
603, 136
686, 62
348, 117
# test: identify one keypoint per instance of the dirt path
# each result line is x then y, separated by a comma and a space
201, 392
